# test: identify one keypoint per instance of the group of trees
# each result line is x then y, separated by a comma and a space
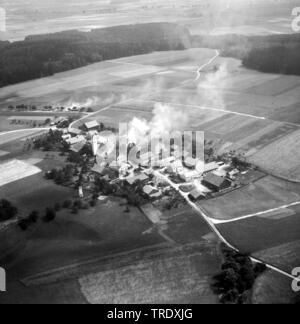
236, 278
43, 55
7, 210
52, 141
61, 176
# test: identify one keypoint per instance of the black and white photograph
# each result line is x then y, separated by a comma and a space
149, 154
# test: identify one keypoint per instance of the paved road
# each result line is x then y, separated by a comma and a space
217, 221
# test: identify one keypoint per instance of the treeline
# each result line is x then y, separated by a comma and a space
271, 54
43, 55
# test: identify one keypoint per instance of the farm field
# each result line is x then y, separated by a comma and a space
281, 157
88, 84
273, 288
177, 278
262, 195
15, 170
273, 240
7, 137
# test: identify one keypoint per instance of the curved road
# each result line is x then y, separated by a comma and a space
211, 224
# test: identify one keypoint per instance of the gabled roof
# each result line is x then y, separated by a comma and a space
149, 190
196, 194
76, 139
92, 124
214, 180
77, 147
75, 131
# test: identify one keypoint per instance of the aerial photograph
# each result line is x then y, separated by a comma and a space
149, 153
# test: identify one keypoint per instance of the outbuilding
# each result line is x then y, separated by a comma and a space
92, 125
215, 183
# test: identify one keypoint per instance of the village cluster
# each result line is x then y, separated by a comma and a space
156, 186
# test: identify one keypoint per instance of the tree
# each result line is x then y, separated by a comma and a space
7, 210
34, 216
67, 204
50, 214
57, 207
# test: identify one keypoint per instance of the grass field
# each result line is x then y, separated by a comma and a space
275, 241
264, 194
273, 288
22, 134
182, 277
281, 157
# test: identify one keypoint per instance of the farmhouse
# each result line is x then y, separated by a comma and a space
215, 183
196, 195
151, 192
92, 125
74, 131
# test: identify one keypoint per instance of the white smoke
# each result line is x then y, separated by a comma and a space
212, 87
166, 119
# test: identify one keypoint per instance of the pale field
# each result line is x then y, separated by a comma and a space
15, 170
281, 157
20, 134
182, 277
44, 16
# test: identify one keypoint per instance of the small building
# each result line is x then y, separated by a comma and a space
196, 195
215, 183
92, 125
151, 192
189, 175
66, 137
74, 132
75, 140
190, 162
77, 147
212, 166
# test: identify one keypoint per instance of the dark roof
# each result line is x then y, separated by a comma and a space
214, 180
77, 147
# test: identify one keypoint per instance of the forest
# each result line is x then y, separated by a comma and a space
271, 54
44, 55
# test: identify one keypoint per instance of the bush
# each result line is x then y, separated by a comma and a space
67, 204
50, 214
7, 210
57, 207
34, 216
